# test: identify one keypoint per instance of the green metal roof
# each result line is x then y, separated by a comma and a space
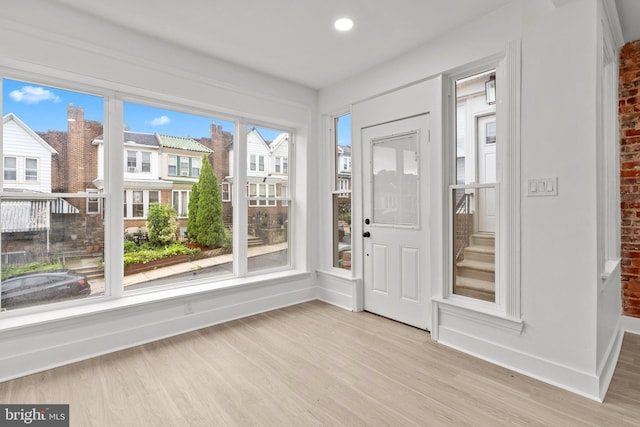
181, 143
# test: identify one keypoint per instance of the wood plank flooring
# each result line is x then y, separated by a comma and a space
315, 364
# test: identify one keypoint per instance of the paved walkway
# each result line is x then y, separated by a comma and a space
97, 285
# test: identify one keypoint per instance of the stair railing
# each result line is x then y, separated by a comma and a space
463, 223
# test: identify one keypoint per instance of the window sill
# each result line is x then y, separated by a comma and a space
10, 321
478, 313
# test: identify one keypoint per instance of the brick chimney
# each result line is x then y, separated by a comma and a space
81, 156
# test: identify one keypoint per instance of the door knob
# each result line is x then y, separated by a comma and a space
366, 234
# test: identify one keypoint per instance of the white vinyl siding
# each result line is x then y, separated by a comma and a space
33, 159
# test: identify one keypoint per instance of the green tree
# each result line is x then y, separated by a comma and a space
192, 228
161, 224
209, 224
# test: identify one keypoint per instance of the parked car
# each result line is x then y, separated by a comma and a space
42, 287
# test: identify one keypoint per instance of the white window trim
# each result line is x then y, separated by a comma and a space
181, 195
507, 308
15, 170
37, 170
226, 185
145, 202
93, 199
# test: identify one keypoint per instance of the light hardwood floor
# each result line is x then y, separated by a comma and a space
315, 364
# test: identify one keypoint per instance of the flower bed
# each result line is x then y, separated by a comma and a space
152, 265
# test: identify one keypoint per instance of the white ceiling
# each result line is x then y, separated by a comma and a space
293, 39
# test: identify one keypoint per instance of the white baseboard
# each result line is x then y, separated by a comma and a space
608, 367
631, 324
338, 290
547, 371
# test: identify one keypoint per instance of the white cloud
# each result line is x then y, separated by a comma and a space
159, 121
33, 95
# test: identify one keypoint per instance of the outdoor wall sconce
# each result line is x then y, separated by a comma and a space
490, 90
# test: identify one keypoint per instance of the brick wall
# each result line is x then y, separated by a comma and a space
629, 117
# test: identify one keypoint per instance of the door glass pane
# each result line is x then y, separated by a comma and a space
395, 180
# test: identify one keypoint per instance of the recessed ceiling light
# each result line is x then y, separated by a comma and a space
343, 24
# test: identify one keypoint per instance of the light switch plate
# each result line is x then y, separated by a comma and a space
540, 187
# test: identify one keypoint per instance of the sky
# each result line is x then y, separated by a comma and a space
44, 108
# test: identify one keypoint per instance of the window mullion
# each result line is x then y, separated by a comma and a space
240, 200
114, 180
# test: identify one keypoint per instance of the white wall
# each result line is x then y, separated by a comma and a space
559, 246
46, 40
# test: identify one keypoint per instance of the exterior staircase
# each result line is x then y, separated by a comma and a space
475, 272
87, 266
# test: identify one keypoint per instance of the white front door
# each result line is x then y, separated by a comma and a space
486, 143
396, 229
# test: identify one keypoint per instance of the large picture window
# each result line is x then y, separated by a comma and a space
175, 193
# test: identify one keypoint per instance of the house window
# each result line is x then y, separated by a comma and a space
341, 191
260, 163
93, 203
285, 165
262, 194
137, 202
196, 164
184, 166
180, 202
225, 189
132, 161
146, 161
285, 195
278, 166
252, 163
172, 162
10, 169
31, 169
491, 186
474, 200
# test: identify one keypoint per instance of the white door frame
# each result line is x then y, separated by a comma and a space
419, 98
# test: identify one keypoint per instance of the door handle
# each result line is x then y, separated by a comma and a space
366, 234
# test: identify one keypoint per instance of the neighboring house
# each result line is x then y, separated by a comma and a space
26, 156
267, 171
181, 163
157, 168
344, 169
27, 159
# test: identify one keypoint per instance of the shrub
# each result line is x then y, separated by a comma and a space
130, 246
209, 223
145, 255
161, 224
8, 271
